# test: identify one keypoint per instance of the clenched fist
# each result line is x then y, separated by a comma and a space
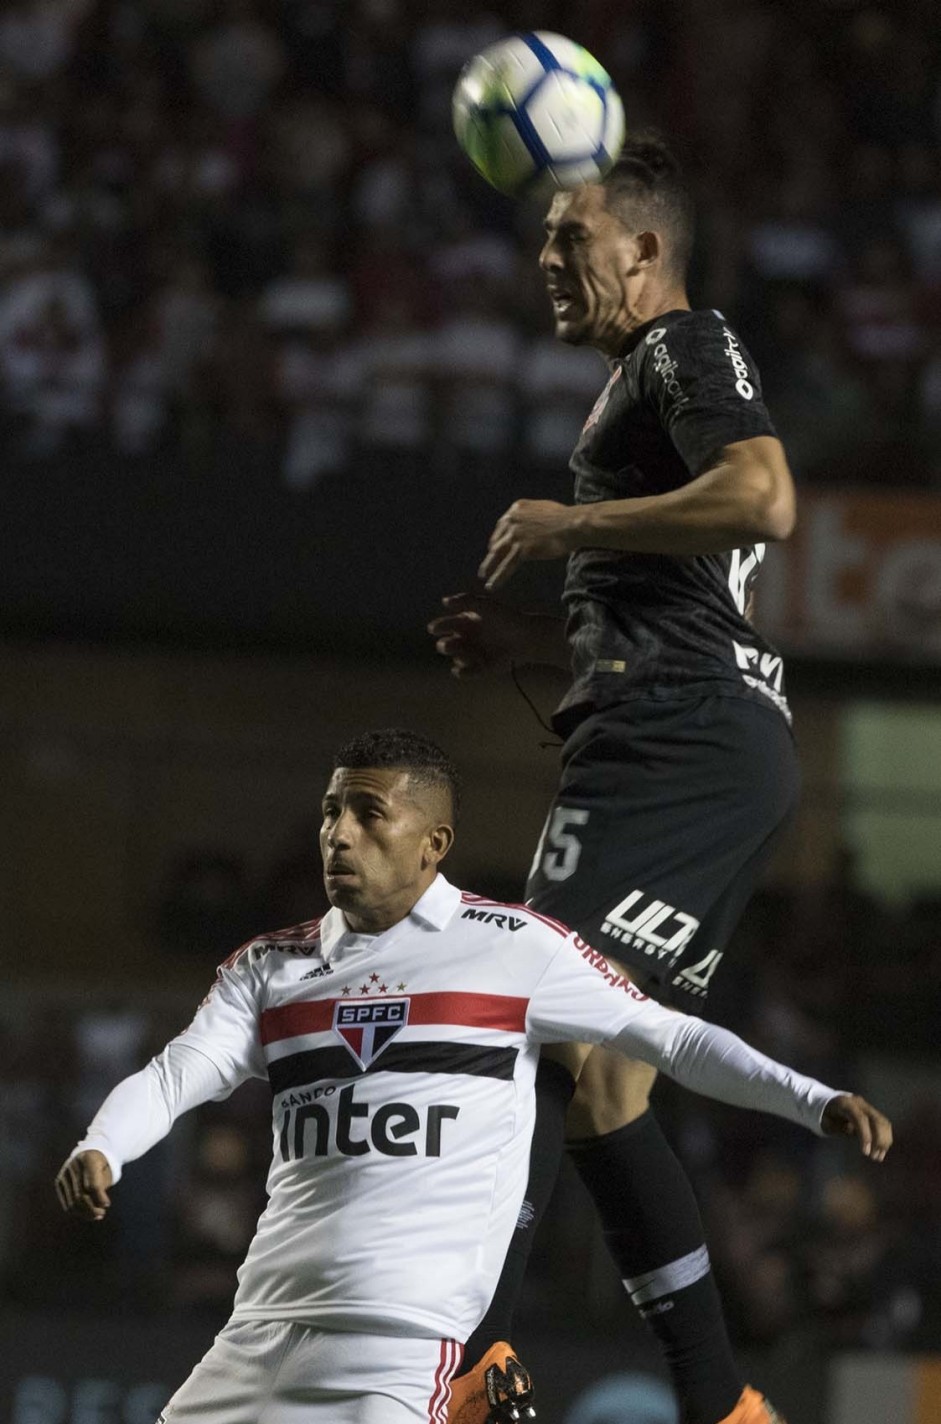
82, 1185
851, 1116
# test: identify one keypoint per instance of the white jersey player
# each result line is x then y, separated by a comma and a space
400, 1036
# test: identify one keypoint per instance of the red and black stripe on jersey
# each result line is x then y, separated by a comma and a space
334, 1061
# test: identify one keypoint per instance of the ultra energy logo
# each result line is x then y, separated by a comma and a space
651, 925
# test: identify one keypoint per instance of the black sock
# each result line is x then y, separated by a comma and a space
554, 1088
654, 1232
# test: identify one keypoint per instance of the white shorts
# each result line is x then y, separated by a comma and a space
278, 1372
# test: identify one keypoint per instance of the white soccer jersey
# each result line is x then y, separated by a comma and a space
402, 1068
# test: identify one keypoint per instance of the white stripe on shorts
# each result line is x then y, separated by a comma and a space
667, 1279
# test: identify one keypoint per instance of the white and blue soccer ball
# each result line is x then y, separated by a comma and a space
535, 113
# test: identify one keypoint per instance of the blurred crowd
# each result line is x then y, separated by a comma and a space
807, 1239
250, 218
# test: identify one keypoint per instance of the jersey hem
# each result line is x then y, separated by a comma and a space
568, 716
354, 1318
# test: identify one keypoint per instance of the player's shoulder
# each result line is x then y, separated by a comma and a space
275, 945
687, 330
511, 918
683, 348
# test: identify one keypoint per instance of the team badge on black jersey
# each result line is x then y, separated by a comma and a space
367, 1029
602, 400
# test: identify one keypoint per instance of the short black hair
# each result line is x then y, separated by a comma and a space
647, 185
422, 758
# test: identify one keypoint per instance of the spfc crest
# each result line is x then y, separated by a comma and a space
367, 1028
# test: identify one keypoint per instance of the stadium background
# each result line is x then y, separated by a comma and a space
272, 360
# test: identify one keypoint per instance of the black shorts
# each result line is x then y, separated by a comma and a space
666, 815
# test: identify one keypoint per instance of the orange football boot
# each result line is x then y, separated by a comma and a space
498, 1390
753, 1408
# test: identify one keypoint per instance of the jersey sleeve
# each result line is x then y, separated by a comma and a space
220, 1049
226, 1027
703, 385
581, 998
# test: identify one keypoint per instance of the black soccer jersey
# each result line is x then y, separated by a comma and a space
658, 624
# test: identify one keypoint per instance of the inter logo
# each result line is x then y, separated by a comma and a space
366, 1028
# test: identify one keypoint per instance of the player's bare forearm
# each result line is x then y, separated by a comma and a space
746, 497
479, 634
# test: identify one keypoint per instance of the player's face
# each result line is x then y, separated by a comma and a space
588, 260
381, 842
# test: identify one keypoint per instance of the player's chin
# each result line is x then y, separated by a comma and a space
574, 331
343, 891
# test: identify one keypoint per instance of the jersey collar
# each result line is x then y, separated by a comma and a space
635, 337
433, 910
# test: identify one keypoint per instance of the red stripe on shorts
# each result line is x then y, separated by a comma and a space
449, 1360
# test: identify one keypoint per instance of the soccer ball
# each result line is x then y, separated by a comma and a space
537, 112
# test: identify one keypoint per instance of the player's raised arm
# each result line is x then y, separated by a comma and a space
219, 1050
582, 997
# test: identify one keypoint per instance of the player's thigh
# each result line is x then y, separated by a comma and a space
610, 1092
336, 1377
232, 1382
664, 812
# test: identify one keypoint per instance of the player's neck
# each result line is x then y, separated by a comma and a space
645, 306
656, 301
376, 919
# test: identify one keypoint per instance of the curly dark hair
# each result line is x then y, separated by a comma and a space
422, 758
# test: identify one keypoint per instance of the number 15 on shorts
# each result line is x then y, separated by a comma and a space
559, 849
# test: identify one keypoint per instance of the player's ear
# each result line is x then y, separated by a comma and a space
440, 841
649, 248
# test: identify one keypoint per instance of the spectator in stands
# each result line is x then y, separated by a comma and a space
52, 356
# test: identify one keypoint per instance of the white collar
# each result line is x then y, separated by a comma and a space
433, 910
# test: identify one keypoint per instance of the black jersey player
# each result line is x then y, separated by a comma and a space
678, 766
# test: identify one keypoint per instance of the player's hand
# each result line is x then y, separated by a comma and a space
851, 1116
82, 1185
478, 634
530, 529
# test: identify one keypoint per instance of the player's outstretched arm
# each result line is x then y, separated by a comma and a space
848, 1115
479, 634
82, 1185
219, 1050
582, 997
135, 1115
719, 1064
